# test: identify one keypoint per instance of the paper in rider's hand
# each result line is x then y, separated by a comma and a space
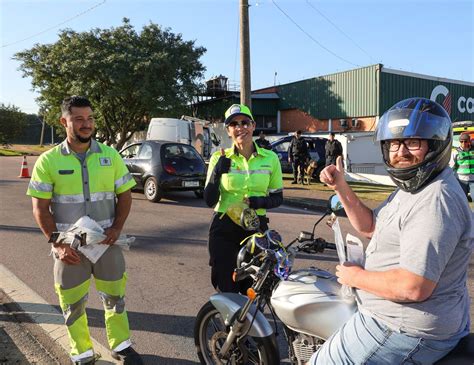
355, 250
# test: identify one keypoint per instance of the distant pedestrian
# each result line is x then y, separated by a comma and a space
297, 155
463, 164
333, 149
262, 142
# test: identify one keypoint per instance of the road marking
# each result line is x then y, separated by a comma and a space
44, 314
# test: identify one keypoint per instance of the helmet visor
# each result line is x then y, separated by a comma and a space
412, 123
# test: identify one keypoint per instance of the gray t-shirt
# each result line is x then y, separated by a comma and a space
429, 233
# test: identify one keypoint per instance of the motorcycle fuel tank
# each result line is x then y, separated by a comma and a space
310, 302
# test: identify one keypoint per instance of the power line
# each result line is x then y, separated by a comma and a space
312, 38
340, 30
55, 26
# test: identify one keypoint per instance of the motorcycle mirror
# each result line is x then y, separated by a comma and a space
335, 206
305, 236
249, 219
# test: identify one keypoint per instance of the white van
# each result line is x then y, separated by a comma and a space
189, 130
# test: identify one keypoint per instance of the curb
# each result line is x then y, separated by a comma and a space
305, 204
43, 314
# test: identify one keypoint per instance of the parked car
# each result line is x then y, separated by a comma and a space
316, 151
162, 166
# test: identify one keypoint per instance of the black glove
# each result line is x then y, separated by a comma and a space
273, 200
222, 166
211, 190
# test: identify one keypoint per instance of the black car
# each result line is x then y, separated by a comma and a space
161, 166
316, 151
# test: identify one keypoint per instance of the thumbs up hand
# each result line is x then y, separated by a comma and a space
333, 175
223, 164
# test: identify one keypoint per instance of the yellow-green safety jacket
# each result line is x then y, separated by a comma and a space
258, 176
464, 164
79, 188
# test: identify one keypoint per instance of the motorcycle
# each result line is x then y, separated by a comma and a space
311, 305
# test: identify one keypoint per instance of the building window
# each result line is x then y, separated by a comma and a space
265, 122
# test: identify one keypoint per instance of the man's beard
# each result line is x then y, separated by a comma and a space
83, 139
413, 160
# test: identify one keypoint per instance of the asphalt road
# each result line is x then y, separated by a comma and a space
167, 266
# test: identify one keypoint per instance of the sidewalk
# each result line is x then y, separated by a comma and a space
31, 330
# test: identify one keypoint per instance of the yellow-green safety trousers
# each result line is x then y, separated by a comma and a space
72, 286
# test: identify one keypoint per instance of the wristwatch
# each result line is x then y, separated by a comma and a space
53, 238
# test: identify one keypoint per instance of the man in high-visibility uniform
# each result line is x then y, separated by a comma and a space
463, 164
81, 177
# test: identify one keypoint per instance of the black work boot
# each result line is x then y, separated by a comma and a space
128, 356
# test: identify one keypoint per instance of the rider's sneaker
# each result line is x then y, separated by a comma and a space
88, 360
128, 356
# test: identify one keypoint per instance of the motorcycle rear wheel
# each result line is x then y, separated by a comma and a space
209, 331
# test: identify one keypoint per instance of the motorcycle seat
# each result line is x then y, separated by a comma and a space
462, 354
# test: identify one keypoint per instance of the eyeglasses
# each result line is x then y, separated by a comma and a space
243, 123
467, 141
411, 144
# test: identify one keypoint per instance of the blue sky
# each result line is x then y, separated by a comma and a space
433, 37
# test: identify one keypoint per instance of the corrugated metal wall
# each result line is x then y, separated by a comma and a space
395, 87
345, 94
363, 92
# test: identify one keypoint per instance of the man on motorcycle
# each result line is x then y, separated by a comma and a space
412, 295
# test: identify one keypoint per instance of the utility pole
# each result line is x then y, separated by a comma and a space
245, 87
42, 132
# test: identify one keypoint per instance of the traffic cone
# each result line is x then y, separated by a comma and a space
24, 173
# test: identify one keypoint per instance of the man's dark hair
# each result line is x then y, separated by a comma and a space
74, 101
332, 134
298, 131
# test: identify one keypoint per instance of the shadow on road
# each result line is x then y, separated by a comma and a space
139, 321
153, 359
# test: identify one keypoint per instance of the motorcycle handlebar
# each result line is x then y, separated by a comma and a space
316, 245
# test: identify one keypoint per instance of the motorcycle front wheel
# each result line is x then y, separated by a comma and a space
210, 333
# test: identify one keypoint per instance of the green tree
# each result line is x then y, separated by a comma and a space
12, 123
128, 76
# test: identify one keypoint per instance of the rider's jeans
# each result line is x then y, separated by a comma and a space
363, 340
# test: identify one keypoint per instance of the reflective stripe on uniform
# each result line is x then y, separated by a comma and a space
85, 355
68, 198
112, 302
70, 212
123, 180
274, 191
250, 172
74, 311
65, 226
40, 186
105, 195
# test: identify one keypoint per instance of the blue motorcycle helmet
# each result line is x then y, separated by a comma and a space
416, 118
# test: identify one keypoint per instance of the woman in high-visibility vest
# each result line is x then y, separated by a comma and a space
242, 174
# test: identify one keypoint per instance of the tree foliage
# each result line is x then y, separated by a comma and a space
128, 76
12, 123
